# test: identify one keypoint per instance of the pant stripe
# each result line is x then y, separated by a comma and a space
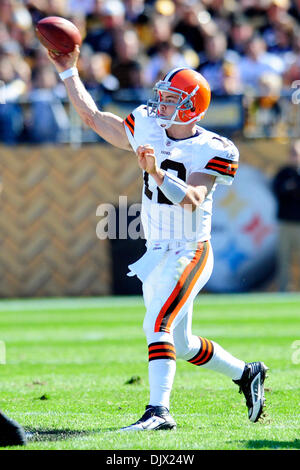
182, 289
161, 350
205, 353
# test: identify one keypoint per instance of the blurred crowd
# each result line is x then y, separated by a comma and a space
242, 47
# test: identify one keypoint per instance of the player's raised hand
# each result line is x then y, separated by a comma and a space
146, 159
64, 61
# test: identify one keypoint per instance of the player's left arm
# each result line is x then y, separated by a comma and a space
199, 186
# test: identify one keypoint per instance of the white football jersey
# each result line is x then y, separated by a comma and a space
205, 152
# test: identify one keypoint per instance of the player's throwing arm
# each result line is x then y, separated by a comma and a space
109, 126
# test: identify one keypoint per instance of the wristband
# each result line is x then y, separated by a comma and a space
173, 188
72, 72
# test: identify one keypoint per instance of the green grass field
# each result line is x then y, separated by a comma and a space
68, 362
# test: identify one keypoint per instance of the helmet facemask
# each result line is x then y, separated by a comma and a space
184, 103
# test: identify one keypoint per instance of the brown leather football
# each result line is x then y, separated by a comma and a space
58, 34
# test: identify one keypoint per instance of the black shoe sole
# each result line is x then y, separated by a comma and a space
165, 427
263, 372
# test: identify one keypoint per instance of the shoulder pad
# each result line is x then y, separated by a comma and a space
219, 143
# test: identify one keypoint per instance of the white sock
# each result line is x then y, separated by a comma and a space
222, 361
161, 377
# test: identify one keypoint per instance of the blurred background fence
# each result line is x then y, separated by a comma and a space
48, 218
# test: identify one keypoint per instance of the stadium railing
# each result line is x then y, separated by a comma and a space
56, 121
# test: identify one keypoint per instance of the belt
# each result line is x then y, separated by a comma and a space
174, 244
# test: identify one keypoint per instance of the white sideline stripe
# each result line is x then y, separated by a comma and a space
73, 303
68, 303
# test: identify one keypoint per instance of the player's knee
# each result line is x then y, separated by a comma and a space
154, 336
147, 326
183, 348
150, 317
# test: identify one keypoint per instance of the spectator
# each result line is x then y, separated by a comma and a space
292, 72
11, 118
222, 11
236, 42
80, 21
168, 56
286, 187
4, 34
96, 76
81, 7
49, 121
56, 8
35, 8
240, 33
211, 66
294, 10
277, 16
127, 65
41, 8
256, 62
6, 12
39, 58
231, 82
283, 37
194, 23
160, 33
269, 113
112, 20
13, 51
134, 10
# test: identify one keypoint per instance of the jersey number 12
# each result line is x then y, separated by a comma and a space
165, 165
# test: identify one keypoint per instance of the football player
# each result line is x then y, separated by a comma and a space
182, 164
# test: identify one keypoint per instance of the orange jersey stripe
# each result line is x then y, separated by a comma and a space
177, 289
217, 162
184, 298
130, 120
220, 170
129, 127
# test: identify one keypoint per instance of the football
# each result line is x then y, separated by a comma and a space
58, 34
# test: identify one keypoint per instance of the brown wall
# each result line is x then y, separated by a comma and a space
48, 217
48, 213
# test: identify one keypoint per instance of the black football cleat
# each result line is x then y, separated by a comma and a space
155, 418
11, 432
252, 386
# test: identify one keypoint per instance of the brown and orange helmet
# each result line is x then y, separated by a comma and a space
193, 93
